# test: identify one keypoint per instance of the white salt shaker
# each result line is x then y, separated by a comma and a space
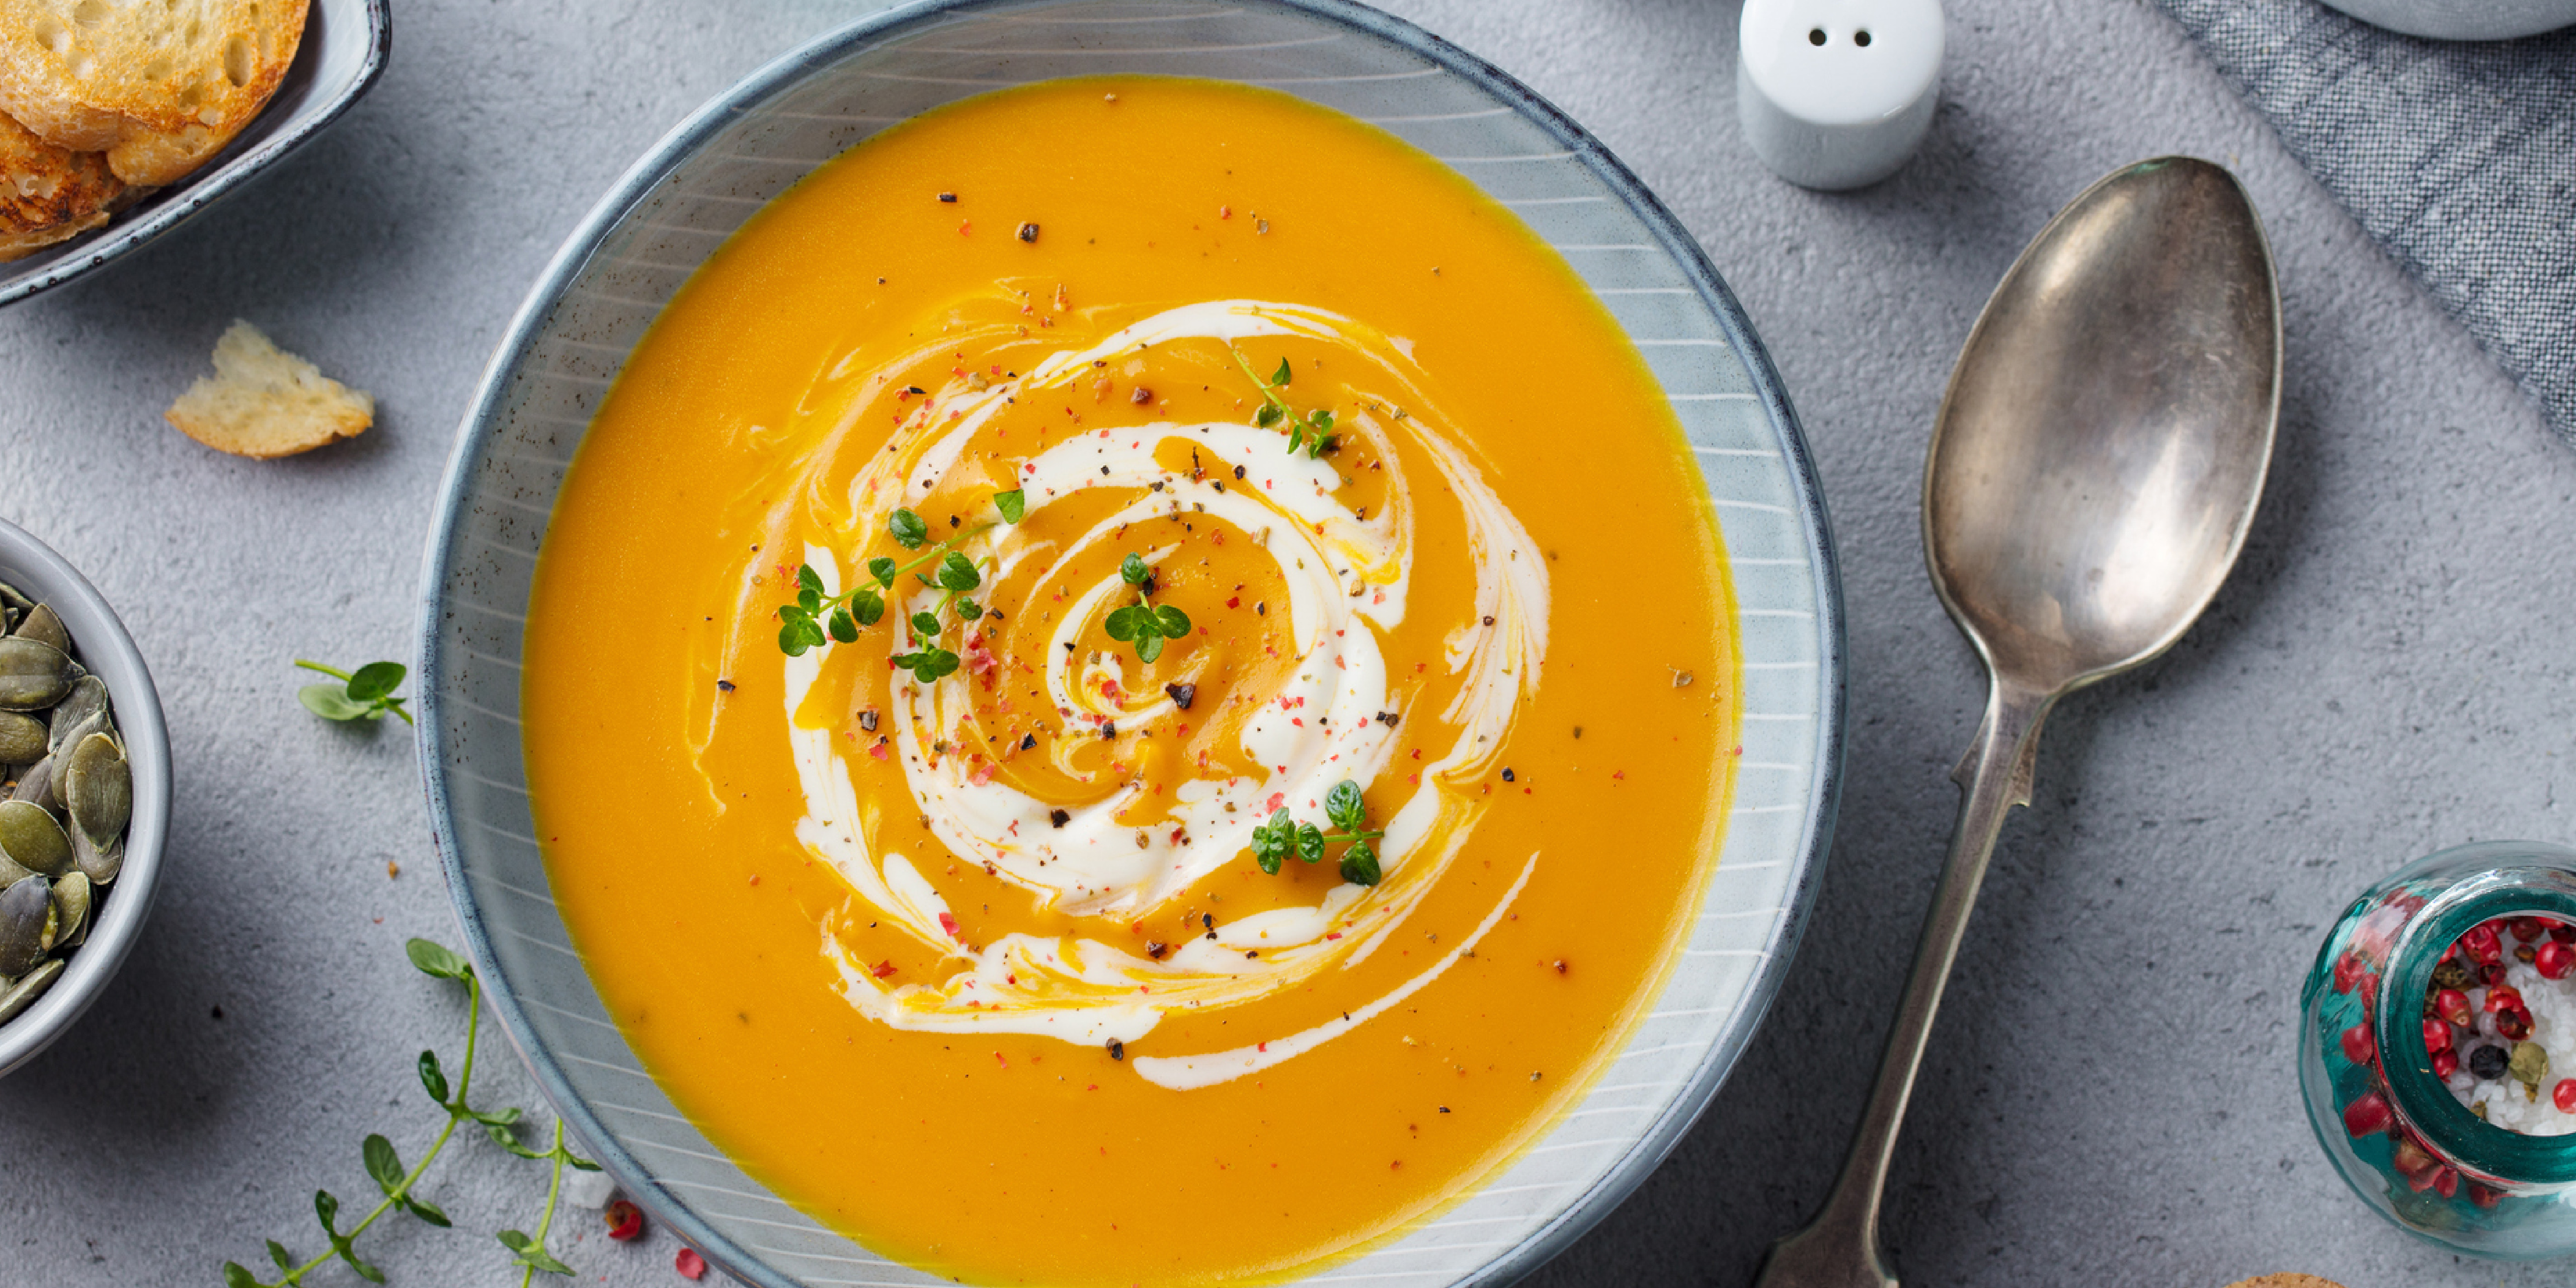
1836, 94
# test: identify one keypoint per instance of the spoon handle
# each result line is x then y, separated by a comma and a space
1840, 1248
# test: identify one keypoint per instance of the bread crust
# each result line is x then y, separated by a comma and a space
49, 194
159, 88
264, 402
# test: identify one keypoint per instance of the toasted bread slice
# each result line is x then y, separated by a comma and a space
49, 194
158, 86
266, 402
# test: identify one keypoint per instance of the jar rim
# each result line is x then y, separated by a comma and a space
2424, 1102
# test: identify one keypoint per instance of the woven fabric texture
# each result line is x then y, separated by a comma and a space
2458, 157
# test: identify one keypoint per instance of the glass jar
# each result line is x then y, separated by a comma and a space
2395, 1131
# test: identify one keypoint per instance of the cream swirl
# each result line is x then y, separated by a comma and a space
1333, 716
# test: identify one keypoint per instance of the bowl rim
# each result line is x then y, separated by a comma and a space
482, 421
250, 155
110, 654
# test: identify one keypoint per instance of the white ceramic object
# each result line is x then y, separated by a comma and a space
1836, 94
2463, 19
102, 645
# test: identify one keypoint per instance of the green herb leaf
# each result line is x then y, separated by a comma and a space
808, 582
1280, 378
1172, 622
331, 702
1359, 864
908, 529
532, 1253
1267, 416
1012, 504
928, 665
426, 1212
277, 1252
236, 1277
1134, 571
1322, 421
435, 959
432, 1078
382, 1163
969, 611
843, 629
867, 606
883, 569
374, 681
957, 572
1310, 842
791, 639
926, 624
1344, 807
1271, 840
1149, 647
1122, 622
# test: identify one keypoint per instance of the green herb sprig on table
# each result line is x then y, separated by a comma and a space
1312, 430
1282, 836
806, 623
400, 1184
364, 694
1146, 623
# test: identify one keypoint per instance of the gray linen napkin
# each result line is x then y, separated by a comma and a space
2459, 158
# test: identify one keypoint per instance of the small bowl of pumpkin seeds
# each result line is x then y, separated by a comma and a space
84, 794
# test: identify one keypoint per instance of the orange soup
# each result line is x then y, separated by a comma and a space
1134, 684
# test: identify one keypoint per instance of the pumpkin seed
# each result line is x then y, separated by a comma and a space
29, 835
12, 872
87, 698
65, 739
34, 675
18, 604
36, 784
98, 789
71, 911
27, 925
22, 739
100, 863
18, 996
43, 625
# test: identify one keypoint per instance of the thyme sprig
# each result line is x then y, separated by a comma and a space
1282, 836
385, 1167
1145, 622
1313, 430
805, 623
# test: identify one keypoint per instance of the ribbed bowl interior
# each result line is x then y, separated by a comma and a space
702, 182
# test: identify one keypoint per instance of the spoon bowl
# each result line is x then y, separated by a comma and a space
2105, 437
2093, 471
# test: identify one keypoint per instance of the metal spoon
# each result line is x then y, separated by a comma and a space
2096, 462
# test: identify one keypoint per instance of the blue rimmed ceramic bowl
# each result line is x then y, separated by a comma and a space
683, 200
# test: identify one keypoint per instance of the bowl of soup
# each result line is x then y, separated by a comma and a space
1092, 642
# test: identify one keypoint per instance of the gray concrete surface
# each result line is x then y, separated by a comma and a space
2109, 1099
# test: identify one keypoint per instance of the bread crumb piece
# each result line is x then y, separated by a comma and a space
264, 402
